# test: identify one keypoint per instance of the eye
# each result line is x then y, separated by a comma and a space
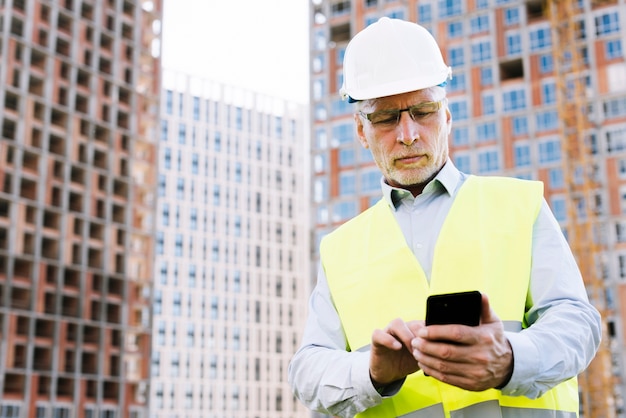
384, 118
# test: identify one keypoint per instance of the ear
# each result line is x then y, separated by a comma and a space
358, 121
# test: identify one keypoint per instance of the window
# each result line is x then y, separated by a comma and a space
548, 93
511, 16
522, 155
455, 29
513, 44
556, 178
320, 163
486, 76
462, 162
559, 208
486, 132
616, 140
460, 136
182, 133
479, 24
613, 49
607, 23
546, 64
342, 134
614, 108
547, 121
196, 108
344, 210
424, 13
455, 57
514, 100
320, 192
169, 102
489, 104
540, 38
481, 52
520, 126
164, 130
347, 184
448, 8
549, 151
370, 181
457, 83
346, 157
459, 110
488, 161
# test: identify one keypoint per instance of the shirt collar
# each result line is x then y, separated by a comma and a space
447, 180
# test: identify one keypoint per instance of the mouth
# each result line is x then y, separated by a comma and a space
410, 160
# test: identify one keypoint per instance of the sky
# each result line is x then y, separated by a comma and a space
260, 45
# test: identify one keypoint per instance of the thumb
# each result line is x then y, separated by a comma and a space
487, 315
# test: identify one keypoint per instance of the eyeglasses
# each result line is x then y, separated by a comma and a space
391, 117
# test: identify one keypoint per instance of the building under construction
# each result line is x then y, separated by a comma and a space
79, 90
538, 92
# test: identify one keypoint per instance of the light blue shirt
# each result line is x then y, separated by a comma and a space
562, 338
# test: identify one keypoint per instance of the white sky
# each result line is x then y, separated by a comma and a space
260, 45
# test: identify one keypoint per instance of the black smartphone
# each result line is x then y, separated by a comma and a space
454, 308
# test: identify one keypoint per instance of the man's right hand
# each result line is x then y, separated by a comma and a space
391, 357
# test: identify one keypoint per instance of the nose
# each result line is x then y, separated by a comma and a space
407, 129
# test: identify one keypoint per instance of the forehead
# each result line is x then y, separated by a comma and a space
401, 101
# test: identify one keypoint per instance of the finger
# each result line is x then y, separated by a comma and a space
382, 338
454, 333
401, 331
487, 315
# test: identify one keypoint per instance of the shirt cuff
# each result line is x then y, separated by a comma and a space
362, 381
525, 364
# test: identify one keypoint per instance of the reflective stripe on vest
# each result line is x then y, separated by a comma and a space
374, 278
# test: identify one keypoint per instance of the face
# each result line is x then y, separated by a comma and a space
410, 153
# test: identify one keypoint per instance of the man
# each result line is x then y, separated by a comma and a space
365, 348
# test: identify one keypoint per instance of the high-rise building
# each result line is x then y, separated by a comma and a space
79, 91
232, 251
528, 77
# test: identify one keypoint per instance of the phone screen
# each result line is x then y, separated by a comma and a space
454, 308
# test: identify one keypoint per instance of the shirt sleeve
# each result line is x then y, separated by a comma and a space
323, 375
559, 316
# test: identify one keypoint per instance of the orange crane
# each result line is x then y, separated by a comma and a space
596, 383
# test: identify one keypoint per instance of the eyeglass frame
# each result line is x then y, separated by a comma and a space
409, 109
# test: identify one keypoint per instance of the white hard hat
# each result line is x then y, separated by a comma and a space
391, 56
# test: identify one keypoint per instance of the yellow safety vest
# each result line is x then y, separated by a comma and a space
484, 244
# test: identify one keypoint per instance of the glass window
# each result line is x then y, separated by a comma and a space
486, 76
164, 130
456, 57
320, 163
522, 155
613, 49
169, 102
486, 132
489, 104
321, 189
424, 13
344, 210
548, 93
462, 162
520, 126
457, 83
455, 29
514, 100
481, 52
342, 134
513, 44
347, 184
511, 16
479, 24
607, 23
370, 181
460, 136
488, 161
347, 157
540, 38
549, 151
556, 178
459, 110
546, 64
557, 203
547, 121
448, 8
